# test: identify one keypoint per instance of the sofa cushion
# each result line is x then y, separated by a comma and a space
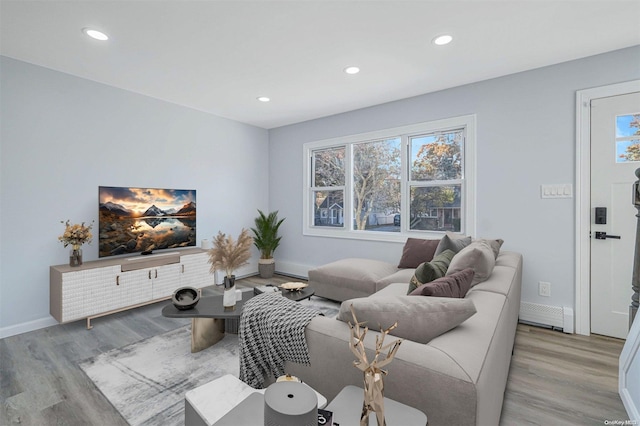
477, 256
417, 251
419, 319
454, 285
400, 276
453, 242
349, 278
429, 271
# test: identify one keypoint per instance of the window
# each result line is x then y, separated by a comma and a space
327, 186
435, 181
387, 185
628, 138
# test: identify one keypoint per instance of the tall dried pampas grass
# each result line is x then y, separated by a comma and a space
228, 254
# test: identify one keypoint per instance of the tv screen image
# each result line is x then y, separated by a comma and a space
133, 220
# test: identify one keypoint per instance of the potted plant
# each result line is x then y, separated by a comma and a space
229, 255
267, 241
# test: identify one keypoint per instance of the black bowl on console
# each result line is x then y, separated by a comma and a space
185, 298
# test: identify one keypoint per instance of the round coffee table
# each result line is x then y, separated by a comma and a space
209, 319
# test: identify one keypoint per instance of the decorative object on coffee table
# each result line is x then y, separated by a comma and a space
293, 286
373, 372
267, 241
229, 255
75, 235
185, 298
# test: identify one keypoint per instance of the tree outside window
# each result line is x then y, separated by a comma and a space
376, 184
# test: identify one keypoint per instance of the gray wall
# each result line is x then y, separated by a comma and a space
526, 137
63, 136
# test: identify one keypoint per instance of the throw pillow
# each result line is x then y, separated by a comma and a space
494, 244
417, 251
452, 242
477, 256
429, 271
454, 285
419, 319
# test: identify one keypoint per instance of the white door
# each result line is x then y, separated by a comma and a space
614, 128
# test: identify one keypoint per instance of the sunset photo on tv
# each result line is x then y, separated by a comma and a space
133, 220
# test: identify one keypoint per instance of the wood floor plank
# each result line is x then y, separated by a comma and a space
554, 378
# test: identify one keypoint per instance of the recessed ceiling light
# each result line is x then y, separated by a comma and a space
98, 35
263, 99
442, 40
352, 70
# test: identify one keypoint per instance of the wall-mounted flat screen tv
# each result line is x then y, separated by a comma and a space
135, 220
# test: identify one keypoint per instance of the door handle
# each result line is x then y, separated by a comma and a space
604, 236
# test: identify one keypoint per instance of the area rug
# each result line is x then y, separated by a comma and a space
147, 380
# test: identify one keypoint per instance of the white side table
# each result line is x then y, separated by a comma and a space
206, 404
347, 408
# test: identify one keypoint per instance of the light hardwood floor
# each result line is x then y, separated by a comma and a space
554, 378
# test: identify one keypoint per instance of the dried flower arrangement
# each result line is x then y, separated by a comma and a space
76, 234
228, 254
373, 373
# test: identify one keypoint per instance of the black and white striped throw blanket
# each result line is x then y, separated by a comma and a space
272, 332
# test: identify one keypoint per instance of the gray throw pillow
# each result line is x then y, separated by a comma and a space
419, 319
429, 271
477, 256
494, 244
417, 251
452, 242
454, 285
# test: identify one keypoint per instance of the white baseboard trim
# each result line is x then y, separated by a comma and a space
551, 316
293, 269
26, 327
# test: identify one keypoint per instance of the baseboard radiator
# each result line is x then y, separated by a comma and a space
556, 317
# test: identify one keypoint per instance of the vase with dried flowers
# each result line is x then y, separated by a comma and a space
75, 236
373, 372
229, 255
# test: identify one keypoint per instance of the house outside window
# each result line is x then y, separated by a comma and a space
414, 180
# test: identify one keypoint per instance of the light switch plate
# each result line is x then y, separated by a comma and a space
562, 190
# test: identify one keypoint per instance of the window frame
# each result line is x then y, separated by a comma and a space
468, 181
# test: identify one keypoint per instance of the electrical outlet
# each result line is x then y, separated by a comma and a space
544, 289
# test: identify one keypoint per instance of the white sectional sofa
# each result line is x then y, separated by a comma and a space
457, 378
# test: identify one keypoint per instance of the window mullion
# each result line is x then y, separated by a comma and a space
348, 191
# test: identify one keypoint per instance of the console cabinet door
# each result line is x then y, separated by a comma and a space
195, 271
134, 287
166, 280
72, 295
88, 292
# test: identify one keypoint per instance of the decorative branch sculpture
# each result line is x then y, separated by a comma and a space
373, 373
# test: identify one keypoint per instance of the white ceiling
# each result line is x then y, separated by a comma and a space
219, 56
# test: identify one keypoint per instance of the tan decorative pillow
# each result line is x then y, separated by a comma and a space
477, 256
417, 251
494, 244
419, 319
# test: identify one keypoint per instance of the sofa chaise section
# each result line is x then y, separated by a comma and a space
354, 277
